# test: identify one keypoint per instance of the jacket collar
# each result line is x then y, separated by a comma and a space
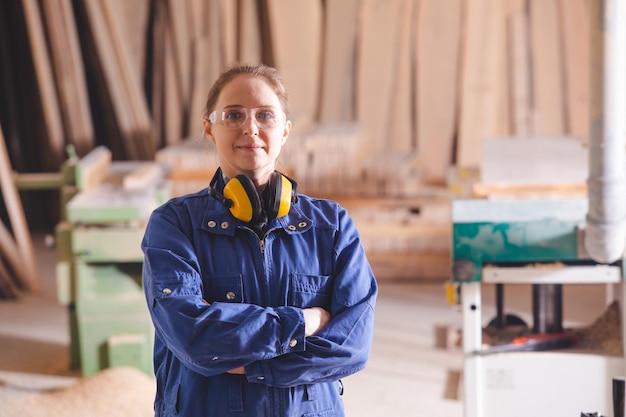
218, 219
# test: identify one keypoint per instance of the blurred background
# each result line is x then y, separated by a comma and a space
386, 96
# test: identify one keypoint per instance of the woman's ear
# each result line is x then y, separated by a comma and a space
207, 130
286, 131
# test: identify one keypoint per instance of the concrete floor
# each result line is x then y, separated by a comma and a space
407, 374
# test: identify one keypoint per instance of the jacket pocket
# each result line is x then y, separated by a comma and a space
310, 291
226, 289
326, 413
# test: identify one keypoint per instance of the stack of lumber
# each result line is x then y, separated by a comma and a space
528, 169
429, 78
405, 239
387, 97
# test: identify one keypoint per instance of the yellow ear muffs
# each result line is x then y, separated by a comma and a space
278, 196
245, 202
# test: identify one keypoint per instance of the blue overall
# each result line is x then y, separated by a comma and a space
221, 298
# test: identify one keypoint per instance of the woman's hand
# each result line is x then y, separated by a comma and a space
315, 319
238, 371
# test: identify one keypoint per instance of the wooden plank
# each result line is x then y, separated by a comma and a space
11, 256
547, 68
123, 115
146, 175
401, 131
480, 78
8, 290
249, 40
228, 25
132, 19
69, 73
13, 204
157, 78
519, 69
45, 83
438, 43
207, 60
337, 101
93, 169
575, 15
296, 36
173, 103
180, 31
375, 73
517, 168
141, 134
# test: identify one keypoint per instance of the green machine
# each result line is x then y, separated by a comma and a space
99, 261
540, 243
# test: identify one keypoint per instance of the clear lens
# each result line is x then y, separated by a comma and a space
236, 117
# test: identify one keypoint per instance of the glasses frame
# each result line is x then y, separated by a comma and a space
281, 117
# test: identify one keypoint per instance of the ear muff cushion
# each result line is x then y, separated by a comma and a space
246, 204
279, 195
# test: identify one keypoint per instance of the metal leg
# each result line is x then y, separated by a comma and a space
472, 341
547, 308
500, 316
619, 392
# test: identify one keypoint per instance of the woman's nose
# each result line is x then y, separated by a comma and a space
250, 127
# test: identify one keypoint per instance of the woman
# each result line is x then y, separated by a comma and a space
262, 299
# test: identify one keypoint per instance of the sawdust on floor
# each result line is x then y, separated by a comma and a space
112, 392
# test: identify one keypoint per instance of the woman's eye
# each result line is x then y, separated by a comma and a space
234, 115
265, 115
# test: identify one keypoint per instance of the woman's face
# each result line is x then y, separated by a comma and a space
248, 150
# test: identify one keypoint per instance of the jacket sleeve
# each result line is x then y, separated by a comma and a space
208, 339
343, 346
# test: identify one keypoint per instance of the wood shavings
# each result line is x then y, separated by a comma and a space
112, 392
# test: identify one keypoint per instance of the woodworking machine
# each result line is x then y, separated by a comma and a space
536, 242
106, 205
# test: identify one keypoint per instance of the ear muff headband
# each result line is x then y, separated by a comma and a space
246, 204
279, 195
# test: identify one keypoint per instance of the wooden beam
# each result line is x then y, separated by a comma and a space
481, 83
249, 41
296, 36
45, 84
93, 169
401, 126
575, 15
337, 100
69, 72
438, 51
376, 69
18, 221
547, 68
518, 37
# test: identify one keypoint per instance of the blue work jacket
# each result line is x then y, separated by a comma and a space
221, 298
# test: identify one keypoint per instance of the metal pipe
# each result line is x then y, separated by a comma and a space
619, 394
605, 231
547, 308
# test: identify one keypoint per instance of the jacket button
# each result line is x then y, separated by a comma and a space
167, 291
230, 295
293, 342
291, 227
302, 225
224, 225
260, 378
211, 223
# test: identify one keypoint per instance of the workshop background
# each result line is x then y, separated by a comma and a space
394, 107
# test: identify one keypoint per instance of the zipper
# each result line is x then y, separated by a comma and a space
262, 245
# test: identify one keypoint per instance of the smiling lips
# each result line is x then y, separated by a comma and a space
251, 147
